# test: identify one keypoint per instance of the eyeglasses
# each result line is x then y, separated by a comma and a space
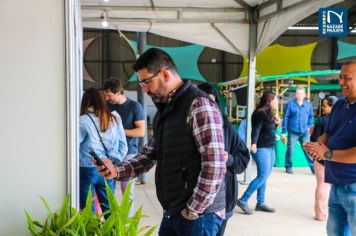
344, 77
145, 82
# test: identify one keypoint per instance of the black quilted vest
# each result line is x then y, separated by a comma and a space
178, 159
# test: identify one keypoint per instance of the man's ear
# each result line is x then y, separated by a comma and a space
166, 75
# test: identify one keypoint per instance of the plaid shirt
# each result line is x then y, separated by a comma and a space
207, 126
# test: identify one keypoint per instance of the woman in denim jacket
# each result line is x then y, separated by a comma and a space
95, 117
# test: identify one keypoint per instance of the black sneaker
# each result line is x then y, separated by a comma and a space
265, 208
244, 207
289, 171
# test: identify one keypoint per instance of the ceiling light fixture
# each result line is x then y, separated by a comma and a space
303, 28
104, 19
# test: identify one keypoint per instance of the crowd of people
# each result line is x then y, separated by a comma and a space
198, 152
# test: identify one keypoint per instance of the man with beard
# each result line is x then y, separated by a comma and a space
188, 147
337, 146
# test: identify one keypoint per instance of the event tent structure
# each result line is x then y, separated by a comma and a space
223, 24
243, 27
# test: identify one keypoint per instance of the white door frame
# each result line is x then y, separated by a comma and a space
74, 88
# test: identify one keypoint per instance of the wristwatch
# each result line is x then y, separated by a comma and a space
192, 215
328, 155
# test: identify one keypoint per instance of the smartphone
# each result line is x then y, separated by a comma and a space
98, 160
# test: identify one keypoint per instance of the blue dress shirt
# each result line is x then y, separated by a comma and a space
297, 118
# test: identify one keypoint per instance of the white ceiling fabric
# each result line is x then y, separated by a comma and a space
222, 24
278, 24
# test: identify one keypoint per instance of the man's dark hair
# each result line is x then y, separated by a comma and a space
114, 85
153, 60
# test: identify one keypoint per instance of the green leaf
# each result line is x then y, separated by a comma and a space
38, 224
126, 203
63, 214
89, 202
46, 205
111, 198
31, 226
150, 231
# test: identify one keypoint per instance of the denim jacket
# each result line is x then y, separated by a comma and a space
113, 138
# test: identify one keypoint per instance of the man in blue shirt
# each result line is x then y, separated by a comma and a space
338, 147
298, 118
132, 116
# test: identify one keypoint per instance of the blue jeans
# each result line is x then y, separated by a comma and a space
89, 176
207, 224
292, 139
342, 210
264, 158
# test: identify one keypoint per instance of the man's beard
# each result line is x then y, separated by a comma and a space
157, 99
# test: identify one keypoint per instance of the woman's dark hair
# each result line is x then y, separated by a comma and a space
92, 99
331, 100
265, 104
209, 89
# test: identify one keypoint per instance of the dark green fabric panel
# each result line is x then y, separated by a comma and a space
186, 59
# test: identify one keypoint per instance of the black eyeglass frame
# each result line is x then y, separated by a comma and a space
146, 81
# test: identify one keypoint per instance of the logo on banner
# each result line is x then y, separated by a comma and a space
333, 22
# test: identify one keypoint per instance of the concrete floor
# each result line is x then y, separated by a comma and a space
291, 195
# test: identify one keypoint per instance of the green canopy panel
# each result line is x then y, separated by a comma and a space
321, 87
185, 58
346, 51
296, 74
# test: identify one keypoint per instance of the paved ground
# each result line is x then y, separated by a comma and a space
291, 195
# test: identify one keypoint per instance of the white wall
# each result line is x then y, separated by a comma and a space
32, 118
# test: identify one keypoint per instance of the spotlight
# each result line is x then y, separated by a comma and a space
104, 19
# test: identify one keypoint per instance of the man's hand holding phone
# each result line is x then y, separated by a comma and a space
105, 167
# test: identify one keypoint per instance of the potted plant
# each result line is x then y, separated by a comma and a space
70, 221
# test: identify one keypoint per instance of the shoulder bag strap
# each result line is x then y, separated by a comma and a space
101, 140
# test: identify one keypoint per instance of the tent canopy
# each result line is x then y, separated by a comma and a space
185, 58
279, 59
223, 24
320, 87
346, 52
329, 74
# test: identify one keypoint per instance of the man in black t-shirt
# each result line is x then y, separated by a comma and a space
132, 116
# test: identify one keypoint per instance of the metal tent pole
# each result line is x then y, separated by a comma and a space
251, 87
141, 45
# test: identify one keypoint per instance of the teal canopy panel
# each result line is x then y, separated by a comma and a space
185, 58
346, 51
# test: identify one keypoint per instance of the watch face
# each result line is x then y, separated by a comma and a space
328, 155
192, 215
